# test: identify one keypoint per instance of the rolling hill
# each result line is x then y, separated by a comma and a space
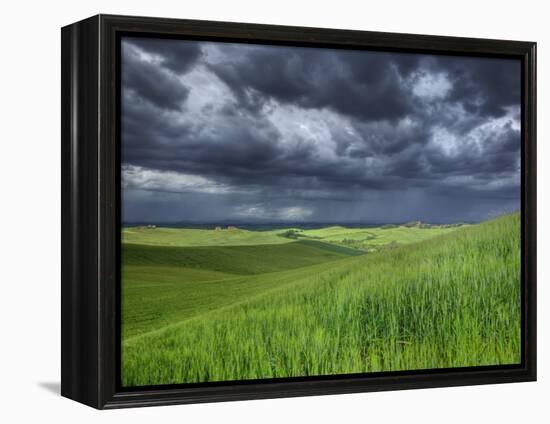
306, 307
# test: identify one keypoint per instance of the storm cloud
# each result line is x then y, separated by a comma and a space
215, 132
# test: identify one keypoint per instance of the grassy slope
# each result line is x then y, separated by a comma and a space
199, 237
447, 302
377, 236
241, 260
163, 285
157, 297
363, 237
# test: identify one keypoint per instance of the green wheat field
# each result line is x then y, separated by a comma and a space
218, 304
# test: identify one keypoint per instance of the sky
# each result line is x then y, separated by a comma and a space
225, 132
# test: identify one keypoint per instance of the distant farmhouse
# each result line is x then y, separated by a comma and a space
229, 227
146, 227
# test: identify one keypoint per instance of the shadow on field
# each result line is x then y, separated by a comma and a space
51, 386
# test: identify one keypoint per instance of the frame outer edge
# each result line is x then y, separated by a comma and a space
80, 311
90, 161
531, 215
107, 234
67, 319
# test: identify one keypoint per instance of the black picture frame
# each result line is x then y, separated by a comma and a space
90, 182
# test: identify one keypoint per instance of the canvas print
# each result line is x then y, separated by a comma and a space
291, 212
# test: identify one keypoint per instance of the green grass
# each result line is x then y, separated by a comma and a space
162, 284
375, 238
240, 260
156, 297
450, 301
354, 238
200, 237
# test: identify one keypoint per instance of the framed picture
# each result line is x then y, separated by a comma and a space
253, 211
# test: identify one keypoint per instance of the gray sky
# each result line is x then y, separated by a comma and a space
215, 132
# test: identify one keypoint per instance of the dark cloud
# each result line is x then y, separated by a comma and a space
332, 134
362, 84
156, 80
150, 82
485, 87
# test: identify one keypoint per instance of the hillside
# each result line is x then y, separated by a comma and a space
372, 239
366, 239
450, 301
240, 260
162, 236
